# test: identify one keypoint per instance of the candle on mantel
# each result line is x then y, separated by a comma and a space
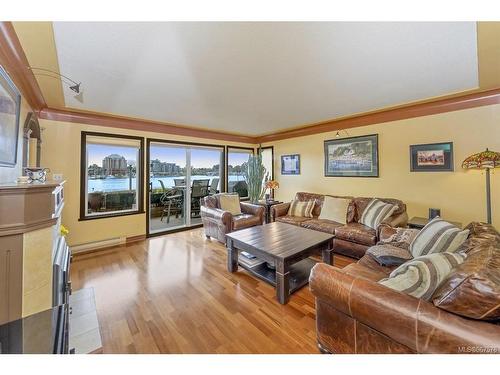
32, 152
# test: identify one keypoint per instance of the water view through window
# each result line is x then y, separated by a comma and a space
113, 165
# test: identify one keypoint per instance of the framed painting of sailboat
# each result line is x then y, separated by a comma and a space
352, 157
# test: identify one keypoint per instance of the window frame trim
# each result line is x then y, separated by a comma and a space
83, 175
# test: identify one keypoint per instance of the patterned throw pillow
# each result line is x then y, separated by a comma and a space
438, 236
402, 238
420, 277
376, 212
301, 208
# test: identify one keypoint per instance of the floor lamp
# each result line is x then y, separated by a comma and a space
484, 160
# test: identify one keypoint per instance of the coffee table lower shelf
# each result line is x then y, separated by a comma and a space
299, 273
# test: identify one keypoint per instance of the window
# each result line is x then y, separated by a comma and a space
268, 161
237, 159
111, 175
175, 190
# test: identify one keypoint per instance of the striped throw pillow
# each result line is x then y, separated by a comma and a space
420, 277
376, 212
301, 208
436, 237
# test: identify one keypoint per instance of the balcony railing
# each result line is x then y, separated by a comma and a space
111, 201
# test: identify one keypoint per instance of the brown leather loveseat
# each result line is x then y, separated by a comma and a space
351, 239
217, 222
356, 314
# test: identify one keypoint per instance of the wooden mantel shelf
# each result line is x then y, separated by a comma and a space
26, 207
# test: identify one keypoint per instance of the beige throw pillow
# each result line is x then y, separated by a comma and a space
335, 209
231, 203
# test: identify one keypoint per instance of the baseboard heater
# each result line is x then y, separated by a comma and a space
98, 245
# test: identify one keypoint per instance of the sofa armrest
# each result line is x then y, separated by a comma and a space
216, 214
412, 322
280, 209
253, 209
400, 220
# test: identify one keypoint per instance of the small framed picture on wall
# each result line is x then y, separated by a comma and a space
432, 157
290, 164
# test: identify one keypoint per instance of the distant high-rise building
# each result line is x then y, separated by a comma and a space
158, 166
114, 164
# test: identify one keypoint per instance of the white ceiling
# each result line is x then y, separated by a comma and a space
257, 78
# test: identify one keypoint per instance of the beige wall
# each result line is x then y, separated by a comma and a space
61, 153
459, 194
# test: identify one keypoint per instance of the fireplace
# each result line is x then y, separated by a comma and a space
61, 285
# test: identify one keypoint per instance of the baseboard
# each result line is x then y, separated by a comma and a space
97, 245
138, 238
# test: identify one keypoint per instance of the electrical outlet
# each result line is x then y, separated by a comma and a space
57, 176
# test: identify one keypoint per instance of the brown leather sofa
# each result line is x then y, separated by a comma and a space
351, 239
217, 222
355, 314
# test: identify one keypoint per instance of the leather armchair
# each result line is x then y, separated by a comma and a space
217, 222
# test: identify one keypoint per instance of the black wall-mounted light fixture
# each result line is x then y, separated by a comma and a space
73, 85
338, 135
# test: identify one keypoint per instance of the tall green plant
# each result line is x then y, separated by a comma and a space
255, 177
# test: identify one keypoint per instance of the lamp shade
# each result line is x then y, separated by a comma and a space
482, 160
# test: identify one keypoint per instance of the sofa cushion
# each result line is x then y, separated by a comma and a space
420, 277
335, 209
230, 203
473, 288
438, 236
245, 221
368, 262
295, 220
358, 270
389, 255
376, 212
480, 234
301, 209
358, 233
327, 226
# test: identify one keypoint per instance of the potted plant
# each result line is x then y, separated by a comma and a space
256, 178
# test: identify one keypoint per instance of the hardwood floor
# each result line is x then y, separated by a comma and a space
173, 294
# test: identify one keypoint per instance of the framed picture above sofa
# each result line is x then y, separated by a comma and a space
432, 157
10, 103
352, 157
290, 164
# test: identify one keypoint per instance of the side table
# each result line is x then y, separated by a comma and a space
268, 204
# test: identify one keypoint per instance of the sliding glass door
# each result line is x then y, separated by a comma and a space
175, 190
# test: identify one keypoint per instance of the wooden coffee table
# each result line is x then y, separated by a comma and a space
286, 246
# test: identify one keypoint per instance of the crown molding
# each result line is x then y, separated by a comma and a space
14, 61
434, 107
140, 125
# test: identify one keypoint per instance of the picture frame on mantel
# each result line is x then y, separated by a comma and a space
352, 156
432, 157
10, 107
290, 164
